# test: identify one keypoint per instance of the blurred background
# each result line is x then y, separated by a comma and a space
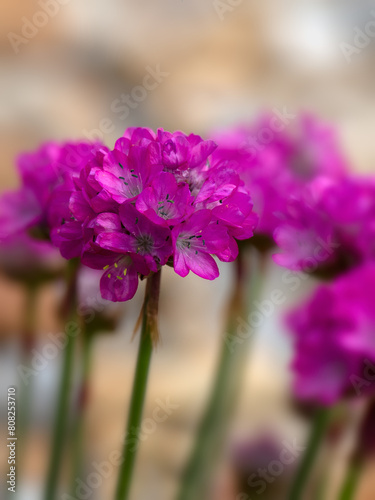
210, 66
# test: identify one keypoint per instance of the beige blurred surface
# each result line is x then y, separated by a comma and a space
261, 55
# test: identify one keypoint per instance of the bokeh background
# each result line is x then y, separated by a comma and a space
65, 83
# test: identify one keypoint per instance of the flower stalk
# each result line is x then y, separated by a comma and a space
83, 398
319, 428
28, 342
350, 485
148, 336
62, 409
227, 385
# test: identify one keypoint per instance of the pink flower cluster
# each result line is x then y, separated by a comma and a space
329, 223
49, 169
154, 200
334, 349
281, 166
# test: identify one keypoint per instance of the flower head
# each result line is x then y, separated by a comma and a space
276, 163
155, 199
334, 338
329, 226
45, 175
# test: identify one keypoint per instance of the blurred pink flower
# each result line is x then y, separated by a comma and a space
279, 166
41, 172
329, 226
334, 343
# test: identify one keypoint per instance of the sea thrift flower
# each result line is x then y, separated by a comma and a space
334, 348
322, 231
275, 169
154, 200
52, 167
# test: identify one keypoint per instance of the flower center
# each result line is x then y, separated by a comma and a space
145, 244
190, 242
165, 208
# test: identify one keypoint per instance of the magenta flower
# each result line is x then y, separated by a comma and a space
154, 200
42, 172
180, 152
279, 166
140, 236
333, 339
195, 240
166, 202
321, 231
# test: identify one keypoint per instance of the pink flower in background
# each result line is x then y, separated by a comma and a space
154, 200
334, 339
52, 166
330, 225
277, 165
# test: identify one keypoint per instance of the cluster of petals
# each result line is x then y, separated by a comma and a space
334, 350
328, 225
42, 173
281, 163
155, 199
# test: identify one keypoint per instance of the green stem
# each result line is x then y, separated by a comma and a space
351, 481
318, 431
234, 355
28, 342
62, 409
150, 311
78, 426
25, 387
